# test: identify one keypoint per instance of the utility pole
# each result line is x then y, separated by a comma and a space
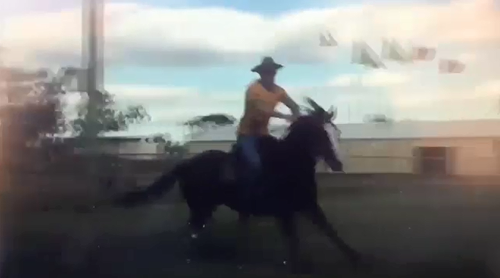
93, 46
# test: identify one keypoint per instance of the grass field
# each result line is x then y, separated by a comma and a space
405, 229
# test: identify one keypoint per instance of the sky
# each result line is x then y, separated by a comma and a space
184, 58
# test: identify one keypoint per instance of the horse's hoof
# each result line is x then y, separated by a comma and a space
302, 268
82, 209
195, 235
357, 261
360, 262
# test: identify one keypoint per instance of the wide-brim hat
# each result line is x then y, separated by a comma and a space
267, 63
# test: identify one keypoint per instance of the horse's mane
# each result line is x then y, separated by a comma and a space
303, 127
299, 133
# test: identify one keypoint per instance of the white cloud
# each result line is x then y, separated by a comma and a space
144, 34
170, 106
383, 78
345, 80
148, 35
489, 88
467, 57
371, 79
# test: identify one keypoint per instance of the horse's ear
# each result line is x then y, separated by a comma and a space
332, 112
314, 105
329, 114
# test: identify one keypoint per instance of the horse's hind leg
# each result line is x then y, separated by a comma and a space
197, 222
199, 212
317, 217
243, 235
289, 229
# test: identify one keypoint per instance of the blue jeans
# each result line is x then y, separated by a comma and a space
248, 147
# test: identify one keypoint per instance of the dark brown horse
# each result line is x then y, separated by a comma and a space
287, 185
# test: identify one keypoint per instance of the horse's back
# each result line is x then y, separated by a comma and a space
206, 161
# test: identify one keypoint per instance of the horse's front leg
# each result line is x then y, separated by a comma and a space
289, 230
243, 234
318, 217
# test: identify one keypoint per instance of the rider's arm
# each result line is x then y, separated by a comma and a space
279, 115
290, 103
264, 109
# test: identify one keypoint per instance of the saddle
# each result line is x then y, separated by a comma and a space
234, 166
237, 165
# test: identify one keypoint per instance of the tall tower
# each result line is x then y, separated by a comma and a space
93, 52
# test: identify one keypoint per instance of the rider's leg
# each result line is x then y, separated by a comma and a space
248, 146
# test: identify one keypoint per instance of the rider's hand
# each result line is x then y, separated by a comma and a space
290, 118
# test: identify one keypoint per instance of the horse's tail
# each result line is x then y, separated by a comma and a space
156, 190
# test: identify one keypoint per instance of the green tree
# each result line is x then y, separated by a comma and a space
108, 117
175, 149
32, 107
170, 147
35, 106
378, 118
202, 122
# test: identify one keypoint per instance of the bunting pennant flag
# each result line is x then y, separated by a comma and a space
451, 66
424, 53
326, 40
362, 54
394, 51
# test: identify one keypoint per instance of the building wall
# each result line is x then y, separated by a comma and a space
132, 149
376, 156
470, 156
198, 147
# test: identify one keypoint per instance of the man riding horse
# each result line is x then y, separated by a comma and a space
287, 168
261, 99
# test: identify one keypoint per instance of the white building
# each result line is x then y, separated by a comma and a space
127, 147
444, 147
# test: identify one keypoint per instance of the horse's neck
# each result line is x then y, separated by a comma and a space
296, 155
286, 153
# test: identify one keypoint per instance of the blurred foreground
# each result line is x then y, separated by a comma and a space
407, 229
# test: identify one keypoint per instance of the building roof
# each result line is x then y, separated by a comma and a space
100, 139
396, 130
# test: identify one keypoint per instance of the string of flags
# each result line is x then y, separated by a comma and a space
451, 66
423, 54
327, 40
392, 50
363, 54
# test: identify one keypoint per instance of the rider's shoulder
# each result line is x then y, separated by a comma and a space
253, 85
253, 88
280, 89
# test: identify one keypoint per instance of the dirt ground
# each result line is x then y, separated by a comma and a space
404, 231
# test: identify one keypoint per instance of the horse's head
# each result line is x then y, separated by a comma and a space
318, 135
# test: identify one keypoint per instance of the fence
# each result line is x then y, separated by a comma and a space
130, 164
107, 164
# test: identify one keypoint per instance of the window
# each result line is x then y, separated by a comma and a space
432, 160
